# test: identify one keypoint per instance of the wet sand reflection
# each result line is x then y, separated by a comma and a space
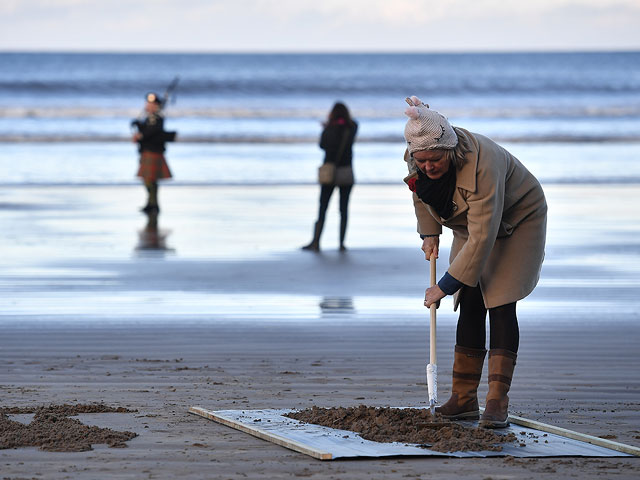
152, 238
337, 305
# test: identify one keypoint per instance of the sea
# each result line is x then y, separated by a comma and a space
256, 118
76, 248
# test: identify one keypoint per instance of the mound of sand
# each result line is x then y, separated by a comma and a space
52, 430
407, 425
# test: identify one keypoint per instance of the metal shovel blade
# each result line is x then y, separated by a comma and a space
432, 386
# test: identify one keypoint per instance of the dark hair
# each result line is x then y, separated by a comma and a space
339, 111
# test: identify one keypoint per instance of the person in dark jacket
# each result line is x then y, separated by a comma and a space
151, 138
337, 141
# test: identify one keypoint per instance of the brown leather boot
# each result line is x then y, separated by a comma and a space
467, 370
501, 365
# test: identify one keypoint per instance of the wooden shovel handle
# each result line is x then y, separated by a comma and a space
432, 310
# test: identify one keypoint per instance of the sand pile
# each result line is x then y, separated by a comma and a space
407, 425
52, 430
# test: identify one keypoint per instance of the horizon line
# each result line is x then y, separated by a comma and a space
319, 52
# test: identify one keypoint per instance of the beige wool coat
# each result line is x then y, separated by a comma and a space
499, 223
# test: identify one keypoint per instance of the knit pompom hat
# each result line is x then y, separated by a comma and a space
427, 129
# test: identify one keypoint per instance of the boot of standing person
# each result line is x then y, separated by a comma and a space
152, 198
501, 366
343, 232
467, 370
314, 246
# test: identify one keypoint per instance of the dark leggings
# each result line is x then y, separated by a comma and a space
471, 331
152, 190
325, 196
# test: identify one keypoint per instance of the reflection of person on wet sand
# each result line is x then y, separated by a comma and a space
152, 238
498, 214
337, 305
151, 138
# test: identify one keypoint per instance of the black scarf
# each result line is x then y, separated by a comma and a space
438, 193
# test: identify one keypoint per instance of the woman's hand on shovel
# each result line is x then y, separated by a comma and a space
430, 245
433, 295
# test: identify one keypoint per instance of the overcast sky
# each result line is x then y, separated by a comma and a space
319, 25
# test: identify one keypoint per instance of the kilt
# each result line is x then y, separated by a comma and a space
153, 167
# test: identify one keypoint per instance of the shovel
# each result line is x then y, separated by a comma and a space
432, 369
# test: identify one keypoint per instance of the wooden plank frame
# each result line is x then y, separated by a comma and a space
257, 432
563, 432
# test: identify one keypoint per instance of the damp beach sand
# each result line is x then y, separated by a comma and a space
230, 314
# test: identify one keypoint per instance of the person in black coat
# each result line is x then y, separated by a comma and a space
337, 141
151, 137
